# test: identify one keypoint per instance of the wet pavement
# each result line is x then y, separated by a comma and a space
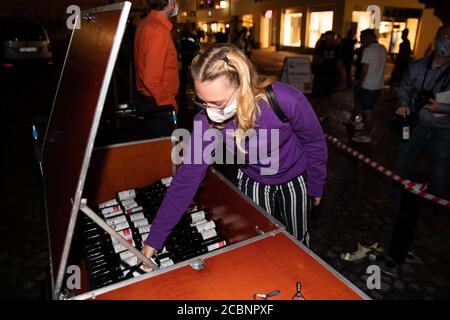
357, 204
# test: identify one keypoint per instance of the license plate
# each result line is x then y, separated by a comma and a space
28, 49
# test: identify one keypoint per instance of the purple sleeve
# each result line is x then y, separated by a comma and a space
309, 132
182, 189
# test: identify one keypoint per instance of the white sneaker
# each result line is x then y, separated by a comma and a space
362, 139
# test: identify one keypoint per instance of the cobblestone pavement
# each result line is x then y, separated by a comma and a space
356, 207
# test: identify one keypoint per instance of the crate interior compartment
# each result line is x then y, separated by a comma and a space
135, 165
120, 167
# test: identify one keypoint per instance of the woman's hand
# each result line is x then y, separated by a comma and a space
148, 252
317, 200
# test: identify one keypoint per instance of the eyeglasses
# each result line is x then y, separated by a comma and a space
203, 105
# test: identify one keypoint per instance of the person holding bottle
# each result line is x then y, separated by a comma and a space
416, 96
231, 96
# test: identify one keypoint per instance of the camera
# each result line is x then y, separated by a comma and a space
423, 98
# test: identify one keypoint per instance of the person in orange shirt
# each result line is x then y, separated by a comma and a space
156, 66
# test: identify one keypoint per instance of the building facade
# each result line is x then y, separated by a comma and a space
297, 24
283, 24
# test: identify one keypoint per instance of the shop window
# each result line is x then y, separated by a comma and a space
319, 22
391, 28
218, 27
247, 21
362, 19
412, 24
210, 29
391, 33
213, 4
292, 29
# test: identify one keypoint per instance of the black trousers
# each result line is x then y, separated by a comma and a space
405, 226
159, 121
348, 73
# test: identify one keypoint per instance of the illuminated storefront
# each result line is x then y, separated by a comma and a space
214, 26
298, 24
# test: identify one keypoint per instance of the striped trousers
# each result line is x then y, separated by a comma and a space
288, 201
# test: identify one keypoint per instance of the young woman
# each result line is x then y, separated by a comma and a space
233, 99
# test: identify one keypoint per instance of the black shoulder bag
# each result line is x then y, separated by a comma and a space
275, 106
283, 118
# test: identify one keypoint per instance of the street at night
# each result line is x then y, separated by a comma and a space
358, 205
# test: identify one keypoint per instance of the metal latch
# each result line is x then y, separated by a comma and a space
198, 264
259, 231
66, 294
87, 16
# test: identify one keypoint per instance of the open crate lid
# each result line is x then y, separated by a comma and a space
73, 124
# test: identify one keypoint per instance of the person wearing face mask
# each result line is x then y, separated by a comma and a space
156, 65
424, 79
233, 100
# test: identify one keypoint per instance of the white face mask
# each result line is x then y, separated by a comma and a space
221, 115
175, 10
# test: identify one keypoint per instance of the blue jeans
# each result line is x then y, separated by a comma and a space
437, 141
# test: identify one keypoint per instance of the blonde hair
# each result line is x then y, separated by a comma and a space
227, 60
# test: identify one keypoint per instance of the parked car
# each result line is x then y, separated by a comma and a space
23, 40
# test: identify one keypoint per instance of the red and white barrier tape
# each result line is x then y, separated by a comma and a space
413, 187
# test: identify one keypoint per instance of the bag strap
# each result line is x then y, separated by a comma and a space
274, 104
444, 83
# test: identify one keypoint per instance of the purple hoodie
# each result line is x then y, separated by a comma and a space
302, 147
